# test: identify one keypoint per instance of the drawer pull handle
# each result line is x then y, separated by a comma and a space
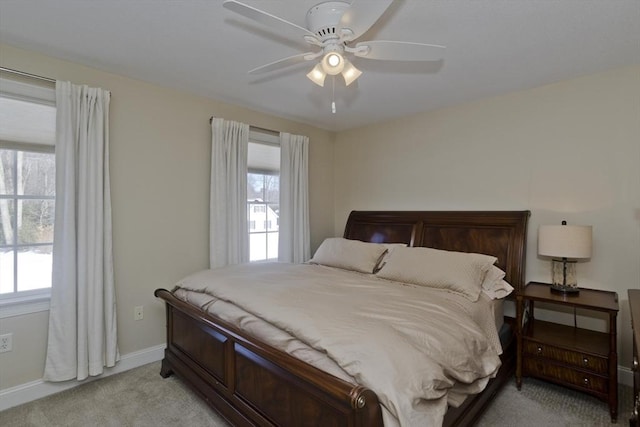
586, 381
539, 349
585, 361
635, 363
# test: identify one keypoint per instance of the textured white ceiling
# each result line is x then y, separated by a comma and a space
493, 47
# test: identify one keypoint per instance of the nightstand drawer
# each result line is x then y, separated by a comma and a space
580, 360
551, 371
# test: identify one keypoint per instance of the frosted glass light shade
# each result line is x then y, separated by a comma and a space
317, 75
350, 72
334, 64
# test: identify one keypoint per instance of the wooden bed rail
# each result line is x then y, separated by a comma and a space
251, 383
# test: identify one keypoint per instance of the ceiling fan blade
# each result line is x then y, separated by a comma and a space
281, 63
399, 51
361, 15
268, 19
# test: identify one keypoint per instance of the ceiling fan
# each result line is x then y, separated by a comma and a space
332, 30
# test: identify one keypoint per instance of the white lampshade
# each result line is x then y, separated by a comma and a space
350, 72
333, 64
565, 241
317, 75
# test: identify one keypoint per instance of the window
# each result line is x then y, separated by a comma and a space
27, 203
27, 190
263, 192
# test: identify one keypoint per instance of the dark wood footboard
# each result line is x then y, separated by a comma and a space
250, 383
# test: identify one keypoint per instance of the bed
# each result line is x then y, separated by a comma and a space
250, 382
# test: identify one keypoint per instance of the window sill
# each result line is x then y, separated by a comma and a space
22, 305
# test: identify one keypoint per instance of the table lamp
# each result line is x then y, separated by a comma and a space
565, 244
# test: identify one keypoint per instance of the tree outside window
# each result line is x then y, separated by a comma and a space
27, 208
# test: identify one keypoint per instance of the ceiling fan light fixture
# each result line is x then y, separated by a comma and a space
333, 63
333, 60
317, 75
331, 26
350, 72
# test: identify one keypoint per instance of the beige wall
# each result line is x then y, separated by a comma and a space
569, 150
565, 151
160, 159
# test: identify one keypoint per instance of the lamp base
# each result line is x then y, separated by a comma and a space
563, 273
560, 289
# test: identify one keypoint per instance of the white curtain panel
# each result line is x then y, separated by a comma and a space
293, 240
82, 318
228, 233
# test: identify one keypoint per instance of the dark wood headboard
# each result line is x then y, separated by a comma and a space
502, 234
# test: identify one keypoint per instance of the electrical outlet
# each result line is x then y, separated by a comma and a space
6, 342
138, 312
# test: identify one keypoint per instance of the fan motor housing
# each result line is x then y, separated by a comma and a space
323, 18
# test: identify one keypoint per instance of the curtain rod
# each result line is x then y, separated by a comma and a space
32, 76
275, 132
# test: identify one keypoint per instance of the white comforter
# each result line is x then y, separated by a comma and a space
417, 348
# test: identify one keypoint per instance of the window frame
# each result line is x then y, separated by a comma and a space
19, 303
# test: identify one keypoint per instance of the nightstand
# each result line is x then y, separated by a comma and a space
574, 357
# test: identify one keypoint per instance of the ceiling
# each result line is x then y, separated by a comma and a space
493, 47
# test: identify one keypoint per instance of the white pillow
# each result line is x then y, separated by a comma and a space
459, 272
494, 285
349, 254
390, 247
501, 290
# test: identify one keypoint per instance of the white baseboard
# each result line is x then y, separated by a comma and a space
625, 376
33, 390
24, 393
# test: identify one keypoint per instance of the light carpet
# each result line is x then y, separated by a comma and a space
141, 398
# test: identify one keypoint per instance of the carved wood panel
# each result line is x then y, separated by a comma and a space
260, 383
205, 346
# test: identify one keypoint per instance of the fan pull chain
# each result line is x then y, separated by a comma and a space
333, 94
